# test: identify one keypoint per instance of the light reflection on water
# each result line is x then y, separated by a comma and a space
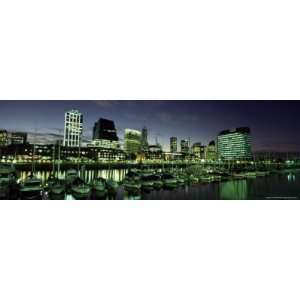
276, 185
87, 175
233, 190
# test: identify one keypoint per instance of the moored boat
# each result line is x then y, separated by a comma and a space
70, 177
180, 180
99, 187
157, 182
112, 187
8, 181
31, 188
250, 174
192, 179
169, 181
147, 182
216, 178
261, 173
4, 189
238, 176
132, 182
205, 178
80, 190
57, 187
132, 186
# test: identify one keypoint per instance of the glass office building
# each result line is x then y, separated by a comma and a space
105, 129
196, 150
73, 128
173, 144
184, 146
211, 151
105, 134
234, 145
132, 141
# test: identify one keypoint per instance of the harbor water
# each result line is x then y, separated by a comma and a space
283, 185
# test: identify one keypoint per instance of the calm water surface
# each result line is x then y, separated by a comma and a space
274, 186
283, 185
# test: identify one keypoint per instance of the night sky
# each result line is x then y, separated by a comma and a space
275, 125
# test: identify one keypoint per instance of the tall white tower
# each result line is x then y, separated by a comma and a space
73, 128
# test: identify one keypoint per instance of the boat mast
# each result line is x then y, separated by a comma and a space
78, 167
53, 160
33, 155
58, 167
33, 161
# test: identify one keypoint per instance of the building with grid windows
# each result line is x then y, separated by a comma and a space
18, 138
211, 151
173, 144
105, 129
73, 128
196, 150
105, 135
234, 145
184, 146
132, 141
3, 137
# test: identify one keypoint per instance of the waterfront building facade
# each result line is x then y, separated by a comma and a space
18, 138
73, 128
196, 150
105, 135
3, 137
103, 143
93, 154
105, 129
184, 146
234, 145
45, 153
132, 141
169, 156
211, 151
154, 152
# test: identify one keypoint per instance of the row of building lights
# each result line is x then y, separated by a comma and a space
230, 144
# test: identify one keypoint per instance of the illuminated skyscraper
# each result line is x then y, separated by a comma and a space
211, 151
173, 144
145, 139
196, 150
184, 146
73, 128
3, 137
132, 141
105, 134
105, 129
234, 145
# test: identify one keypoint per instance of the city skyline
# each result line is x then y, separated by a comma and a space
274, 124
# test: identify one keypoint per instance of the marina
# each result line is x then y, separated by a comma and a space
91, 157
149, 184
